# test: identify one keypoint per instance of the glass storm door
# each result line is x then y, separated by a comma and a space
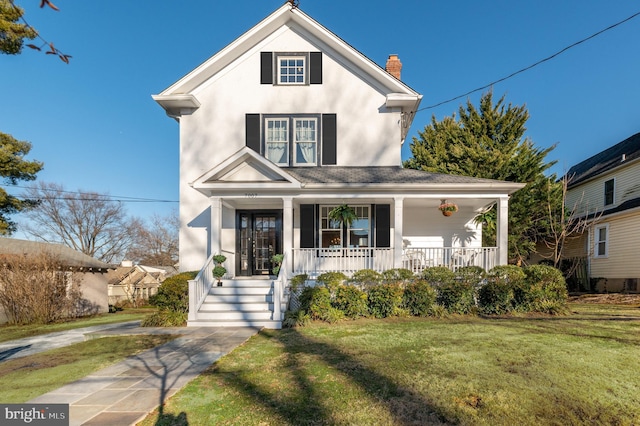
259, 238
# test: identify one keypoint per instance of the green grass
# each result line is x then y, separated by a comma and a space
11, 332
566, 370
28, 377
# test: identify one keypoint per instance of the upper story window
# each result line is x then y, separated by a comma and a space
292, 69
291, 140
608, 192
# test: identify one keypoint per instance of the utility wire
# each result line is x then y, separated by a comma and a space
120, 198
486, 86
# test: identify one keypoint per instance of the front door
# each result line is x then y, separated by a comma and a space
259, 237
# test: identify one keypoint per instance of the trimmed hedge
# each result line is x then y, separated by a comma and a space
436, 292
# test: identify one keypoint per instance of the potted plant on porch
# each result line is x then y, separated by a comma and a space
447, 208
343, 214
219, 270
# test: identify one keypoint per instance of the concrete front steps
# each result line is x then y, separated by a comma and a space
239, 303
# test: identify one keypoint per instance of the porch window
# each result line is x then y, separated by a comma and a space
333, 235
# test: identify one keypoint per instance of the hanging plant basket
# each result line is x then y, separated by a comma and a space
447, 209
343, 214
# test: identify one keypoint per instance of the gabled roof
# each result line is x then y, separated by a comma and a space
618, 155
67, 256
245, 169
178, 98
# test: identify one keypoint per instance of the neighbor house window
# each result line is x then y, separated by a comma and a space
292, 69
601, 247
334, 235
608, 192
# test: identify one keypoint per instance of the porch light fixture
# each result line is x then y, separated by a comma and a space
447, 208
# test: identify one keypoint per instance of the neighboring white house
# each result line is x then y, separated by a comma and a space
288, 122
605, 188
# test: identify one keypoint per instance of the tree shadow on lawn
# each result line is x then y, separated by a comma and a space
405, 406
571, 326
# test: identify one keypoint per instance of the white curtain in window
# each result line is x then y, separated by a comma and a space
307, 151
277, 152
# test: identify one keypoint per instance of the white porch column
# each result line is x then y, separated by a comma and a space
287, 231
502, 230
397, 231
216, 224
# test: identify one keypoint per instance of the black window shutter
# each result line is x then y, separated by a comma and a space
383, 225
307, 225
329, 139
252, 132
266, 67
315, 67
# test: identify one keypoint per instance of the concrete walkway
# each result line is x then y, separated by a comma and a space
124, 393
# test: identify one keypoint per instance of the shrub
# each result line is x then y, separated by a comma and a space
385, 300
438, 275
165, 318
316, 301
506, 279
331, 280
419, 298
547, 290
173, 293
333, 315
495, 297
35, 290
472, 275
298, 318
456, 297
352, 301
366, 278
398, 275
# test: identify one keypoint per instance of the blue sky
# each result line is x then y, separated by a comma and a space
94, 125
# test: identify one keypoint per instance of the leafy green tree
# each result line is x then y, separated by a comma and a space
14, 168
13, 32
489, 142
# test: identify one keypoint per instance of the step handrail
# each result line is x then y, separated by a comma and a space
199, 288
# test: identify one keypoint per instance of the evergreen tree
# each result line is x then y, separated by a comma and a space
489, 142
14, 168
12, 31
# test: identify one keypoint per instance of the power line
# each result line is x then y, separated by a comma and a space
548, 58
120, 198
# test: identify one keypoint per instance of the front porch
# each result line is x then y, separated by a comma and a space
262, 301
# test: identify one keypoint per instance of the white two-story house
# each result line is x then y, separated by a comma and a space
605, 190
280, 127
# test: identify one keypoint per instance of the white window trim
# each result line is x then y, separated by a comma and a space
288, 142
597, 241
305, 69
294, 142
346, 233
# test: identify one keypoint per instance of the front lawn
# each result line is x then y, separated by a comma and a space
558, 370
11, 332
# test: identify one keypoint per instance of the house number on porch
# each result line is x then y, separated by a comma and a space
250, 195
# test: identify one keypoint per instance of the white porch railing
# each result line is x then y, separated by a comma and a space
316, 261
417, 259
199, 287
349, 260
279, 285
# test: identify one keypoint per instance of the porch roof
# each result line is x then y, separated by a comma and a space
395, 175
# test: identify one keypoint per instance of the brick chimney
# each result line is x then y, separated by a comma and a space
394, 66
